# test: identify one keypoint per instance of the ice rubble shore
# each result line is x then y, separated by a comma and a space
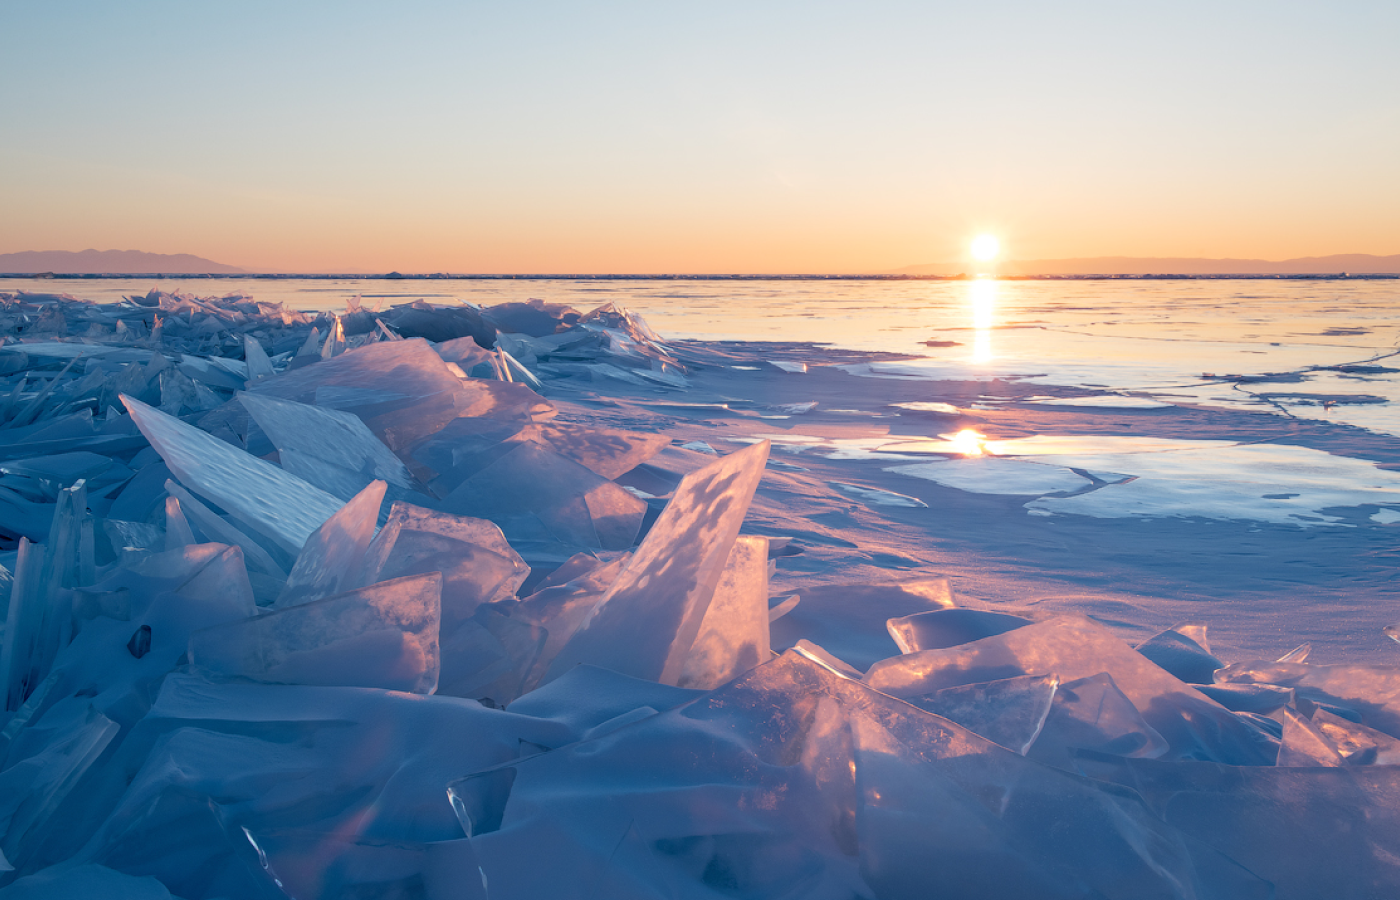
334, 607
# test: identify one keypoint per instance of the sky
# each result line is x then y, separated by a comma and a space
697, 137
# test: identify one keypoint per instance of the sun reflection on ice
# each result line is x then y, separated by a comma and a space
982, 295
969, 442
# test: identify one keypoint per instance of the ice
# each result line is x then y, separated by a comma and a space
327, 448
85, 881
1305, 745
331, 559
1373, 692
1311, 832
476, 563
1009, 712
216, 529
489, 657
877, 497
793, 781
586, 696
1181, 656
733, 636
849, 620
276, 503
31, 788
1074, 648
944, 628
564, 602
36, 622
535, 494
1093, 714
991, 475
1357, 744
649, 618
384, 636
177, 529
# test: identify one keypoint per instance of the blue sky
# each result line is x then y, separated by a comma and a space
697, 137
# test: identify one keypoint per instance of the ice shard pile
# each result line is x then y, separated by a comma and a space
347, 606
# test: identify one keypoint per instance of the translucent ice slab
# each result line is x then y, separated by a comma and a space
1009, 712
733, 636
277, 503
1073, 648
943, 628
534, 493
384, 636
476, 563
649, 619
849, 620
331, 559
331, 449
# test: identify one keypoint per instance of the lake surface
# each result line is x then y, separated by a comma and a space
1319, 345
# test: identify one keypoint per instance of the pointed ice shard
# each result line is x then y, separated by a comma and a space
733, 636
332, 450
1093, 714
1181, 656
259, 366
1358, 745
383, 636
37, 625
177, 529
648, 621
216, 529
1305, 745
1373, 691
476, 563
330, 561
1010, 712
277, 503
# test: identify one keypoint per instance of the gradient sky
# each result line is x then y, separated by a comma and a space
697, 137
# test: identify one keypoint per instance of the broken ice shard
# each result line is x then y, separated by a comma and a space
733, 637
649, 619
330, 449
850, 620
1072, 648
383, 636
944, 628
330, 560
278, 504
476, 563
535, 494
1009, 712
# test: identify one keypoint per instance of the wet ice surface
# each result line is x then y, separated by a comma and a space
381, 604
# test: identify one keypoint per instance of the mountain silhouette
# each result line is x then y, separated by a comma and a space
111, 262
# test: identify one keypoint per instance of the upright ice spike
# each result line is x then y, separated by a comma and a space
259, 366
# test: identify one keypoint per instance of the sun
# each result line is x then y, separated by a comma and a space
985, 248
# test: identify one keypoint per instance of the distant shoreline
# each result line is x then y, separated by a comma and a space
394, 276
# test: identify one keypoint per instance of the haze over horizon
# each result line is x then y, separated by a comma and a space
626, 137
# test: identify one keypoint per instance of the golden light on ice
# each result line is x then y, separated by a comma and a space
982, 296
969, 442
985, 248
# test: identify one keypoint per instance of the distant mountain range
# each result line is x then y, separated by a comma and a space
111, 262
1351, 263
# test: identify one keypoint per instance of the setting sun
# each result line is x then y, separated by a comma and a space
985, 248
